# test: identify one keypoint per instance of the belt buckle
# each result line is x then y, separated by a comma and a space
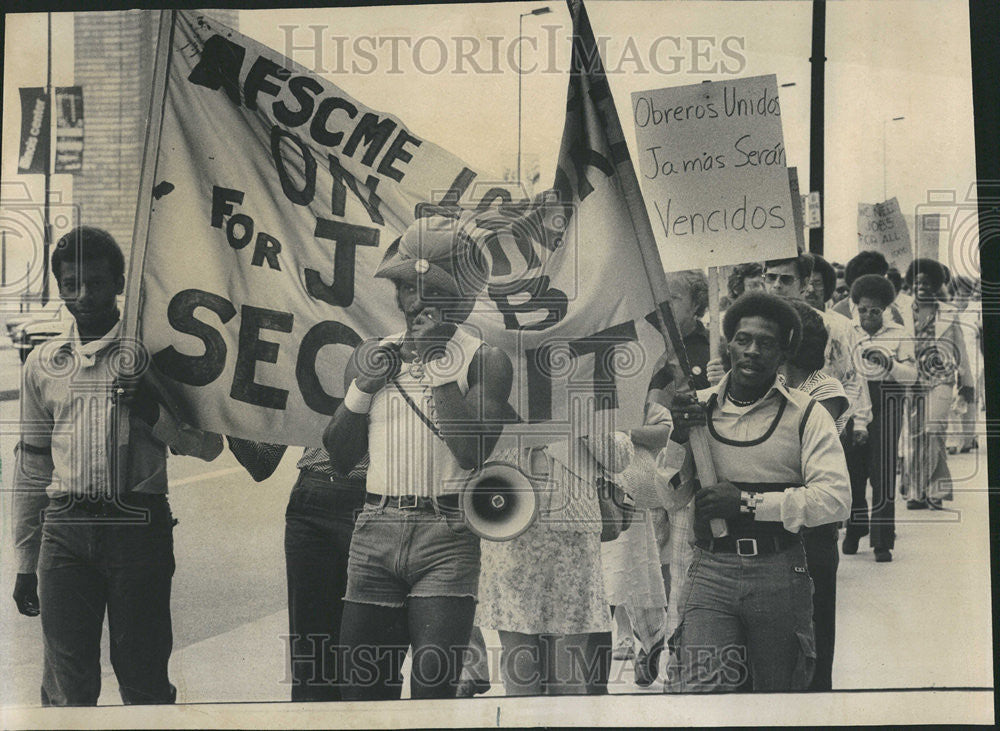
407, 502
752, 551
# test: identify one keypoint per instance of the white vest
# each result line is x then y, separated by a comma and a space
407, 458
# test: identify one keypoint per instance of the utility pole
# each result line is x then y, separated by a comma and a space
47, 226
817, 119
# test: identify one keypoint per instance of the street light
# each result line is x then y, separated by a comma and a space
520, 52
885, 122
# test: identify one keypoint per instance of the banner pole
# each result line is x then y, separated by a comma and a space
129, 333
714, 295
700, 447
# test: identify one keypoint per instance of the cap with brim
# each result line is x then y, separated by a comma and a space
439, 252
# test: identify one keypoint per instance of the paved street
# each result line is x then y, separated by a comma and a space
921, 621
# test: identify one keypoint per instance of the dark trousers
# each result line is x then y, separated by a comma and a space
876, 462
745, 623
884, 442
822, 558
319, 522
89, 563
858, 469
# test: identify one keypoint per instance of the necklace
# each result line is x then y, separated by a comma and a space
735, 402
412, 361
416, 368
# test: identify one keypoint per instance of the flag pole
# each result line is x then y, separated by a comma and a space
147, 175
129, 333
700, 448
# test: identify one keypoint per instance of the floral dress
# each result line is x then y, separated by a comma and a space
548, 580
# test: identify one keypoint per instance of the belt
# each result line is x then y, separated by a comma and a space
348, 483
762, 546
105, 507
414, 502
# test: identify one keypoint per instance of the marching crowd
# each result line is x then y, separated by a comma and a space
829, 379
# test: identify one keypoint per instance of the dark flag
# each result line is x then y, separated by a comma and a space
33, 156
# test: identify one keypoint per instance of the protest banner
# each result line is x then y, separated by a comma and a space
712, 165
882, 228
290, 192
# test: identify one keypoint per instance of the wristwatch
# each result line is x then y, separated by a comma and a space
749, 502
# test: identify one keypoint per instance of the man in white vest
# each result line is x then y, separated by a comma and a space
427, 403
746, 617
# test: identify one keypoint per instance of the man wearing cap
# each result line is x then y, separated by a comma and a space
427, 403
746, 617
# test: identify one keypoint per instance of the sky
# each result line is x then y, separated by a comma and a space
880, 65
886, 59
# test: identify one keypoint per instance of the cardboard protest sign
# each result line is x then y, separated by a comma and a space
276, 198
882, 228
712, 166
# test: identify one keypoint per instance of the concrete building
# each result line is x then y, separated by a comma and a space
114, 53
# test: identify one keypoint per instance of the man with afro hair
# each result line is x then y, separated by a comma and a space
884, 354
747, 607
871, 262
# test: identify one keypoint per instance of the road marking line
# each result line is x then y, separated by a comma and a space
204, 476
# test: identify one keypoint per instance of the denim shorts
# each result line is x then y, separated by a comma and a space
397, 554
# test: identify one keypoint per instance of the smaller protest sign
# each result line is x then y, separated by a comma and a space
882, 228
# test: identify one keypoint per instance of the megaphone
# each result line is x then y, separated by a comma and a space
499, 502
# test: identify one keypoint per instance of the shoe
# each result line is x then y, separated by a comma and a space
883, 556
952, 450
916, 505
624, 650
850, 546
647, 666
470, 687
934, 504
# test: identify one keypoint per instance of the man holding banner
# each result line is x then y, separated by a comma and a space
747, 608
91, 538
427, 404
